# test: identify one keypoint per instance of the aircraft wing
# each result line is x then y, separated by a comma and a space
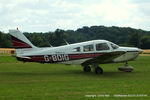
104, 58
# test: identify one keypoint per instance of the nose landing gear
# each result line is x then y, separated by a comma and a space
126, 68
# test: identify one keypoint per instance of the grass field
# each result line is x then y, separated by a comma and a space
33, 81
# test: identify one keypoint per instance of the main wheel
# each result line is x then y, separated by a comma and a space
87, 68
98, 70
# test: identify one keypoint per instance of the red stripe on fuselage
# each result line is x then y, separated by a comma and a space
40, 58
82, 56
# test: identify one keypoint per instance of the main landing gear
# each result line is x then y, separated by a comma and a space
97, 69
86, 68
126, 68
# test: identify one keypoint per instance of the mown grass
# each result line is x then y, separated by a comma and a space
8, 59
33, 81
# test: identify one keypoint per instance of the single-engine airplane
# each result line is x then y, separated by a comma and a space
89, 54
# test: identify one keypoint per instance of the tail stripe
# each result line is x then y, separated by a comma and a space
19, 44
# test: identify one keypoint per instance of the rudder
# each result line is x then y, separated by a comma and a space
21, 43
19, 40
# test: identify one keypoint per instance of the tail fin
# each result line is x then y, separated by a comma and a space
19, 40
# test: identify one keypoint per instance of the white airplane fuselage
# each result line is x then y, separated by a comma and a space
90, 53
67, 54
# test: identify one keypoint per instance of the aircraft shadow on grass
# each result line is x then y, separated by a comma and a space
60, 73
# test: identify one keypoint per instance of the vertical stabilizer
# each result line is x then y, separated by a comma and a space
20, 42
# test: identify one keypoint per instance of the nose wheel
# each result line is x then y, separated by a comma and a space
126, 68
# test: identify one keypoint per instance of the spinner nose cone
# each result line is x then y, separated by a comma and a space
140, 50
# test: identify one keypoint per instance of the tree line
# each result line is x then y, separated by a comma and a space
124, 36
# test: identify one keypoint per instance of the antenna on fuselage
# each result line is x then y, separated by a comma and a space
66, 42
47, 41
50, 44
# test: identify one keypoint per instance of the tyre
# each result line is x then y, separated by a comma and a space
98, 70
86, 68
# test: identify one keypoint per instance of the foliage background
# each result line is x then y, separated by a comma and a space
124, 36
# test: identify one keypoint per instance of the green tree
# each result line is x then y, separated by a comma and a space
36, 39
145, 42
134, 39
120, 35
1, 39
58, 37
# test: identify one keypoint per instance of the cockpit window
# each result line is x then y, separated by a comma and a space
77, 49
88, 48
102, 46
114, 46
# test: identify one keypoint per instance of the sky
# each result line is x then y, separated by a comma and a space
49, 15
